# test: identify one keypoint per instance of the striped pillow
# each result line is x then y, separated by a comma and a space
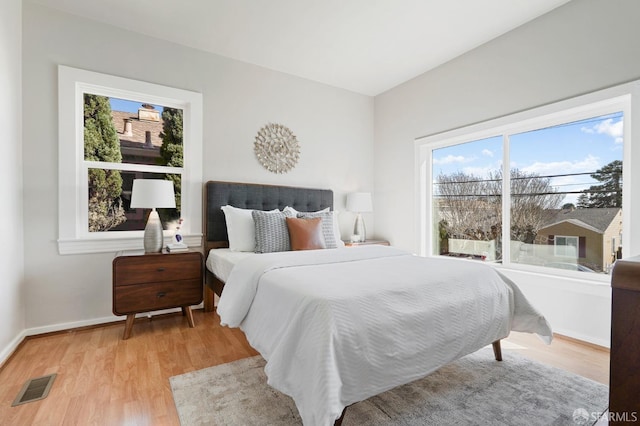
272, 234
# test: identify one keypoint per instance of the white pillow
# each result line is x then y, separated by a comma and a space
336, 225
241, 228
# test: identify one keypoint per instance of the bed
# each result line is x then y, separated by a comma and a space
339, 325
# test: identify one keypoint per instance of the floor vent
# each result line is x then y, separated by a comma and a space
34, 390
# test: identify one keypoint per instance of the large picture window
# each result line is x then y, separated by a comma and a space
541, 190
115, 130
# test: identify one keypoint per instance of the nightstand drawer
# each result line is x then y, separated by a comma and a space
153, 297
131, 270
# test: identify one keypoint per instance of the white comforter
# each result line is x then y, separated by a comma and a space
339, 326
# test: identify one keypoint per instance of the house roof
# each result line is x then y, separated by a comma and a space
598, 220
139, 129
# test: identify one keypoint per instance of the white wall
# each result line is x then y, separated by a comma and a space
12, 306
578, 48
334, 128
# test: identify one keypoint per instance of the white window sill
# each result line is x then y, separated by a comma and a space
589, 278
592, 278
115, 244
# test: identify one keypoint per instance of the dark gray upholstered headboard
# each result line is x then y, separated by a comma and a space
258, 197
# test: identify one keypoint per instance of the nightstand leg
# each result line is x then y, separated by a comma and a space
128, 325
187, 311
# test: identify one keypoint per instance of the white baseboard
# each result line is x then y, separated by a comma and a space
583, 337
11, 347
70, 325
95, 321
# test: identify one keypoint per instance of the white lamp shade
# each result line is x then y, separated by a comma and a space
359, 202
152, 194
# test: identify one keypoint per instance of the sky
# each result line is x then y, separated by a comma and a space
580, 147
128, 106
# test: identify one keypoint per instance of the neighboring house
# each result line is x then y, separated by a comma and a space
587, 237
139, 134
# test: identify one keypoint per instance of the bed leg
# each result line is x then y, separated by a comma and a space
497, 350
208, 299
338, 421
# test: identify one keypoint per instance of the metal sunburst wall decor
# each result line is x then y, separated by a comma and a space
277, 148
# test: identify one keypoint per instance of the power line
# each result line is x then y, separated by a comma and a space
524, 194
573, 184
514, 178
553, 176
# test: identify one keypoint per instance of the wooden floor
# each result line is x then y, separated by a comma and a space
104, 380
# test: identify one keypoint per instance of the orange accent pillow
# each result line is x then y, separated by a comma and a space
305, 234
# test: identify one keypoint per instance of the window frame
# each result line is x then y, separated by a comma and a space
625, 98
73, 234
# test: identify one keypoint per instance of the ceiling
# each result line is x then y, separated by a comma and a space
366, 46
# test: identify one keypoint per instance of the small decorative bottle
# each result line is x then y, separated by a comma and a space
177, 236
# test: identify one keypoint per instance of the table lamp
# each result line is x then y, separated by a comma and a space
359, 202
152, 194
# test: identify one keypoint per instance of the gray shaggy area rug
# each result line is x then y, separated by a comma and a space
474, 390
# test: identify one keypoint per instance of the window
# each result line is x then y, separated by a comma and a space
114, 130
540, 190
565, 247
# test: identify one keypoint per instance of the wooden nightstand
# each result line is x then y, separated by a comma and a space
367, 243
150, 282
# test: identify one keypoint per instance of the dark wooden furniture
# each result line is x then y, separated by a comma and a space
624, 378
367, 243
150, 282
249, 196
